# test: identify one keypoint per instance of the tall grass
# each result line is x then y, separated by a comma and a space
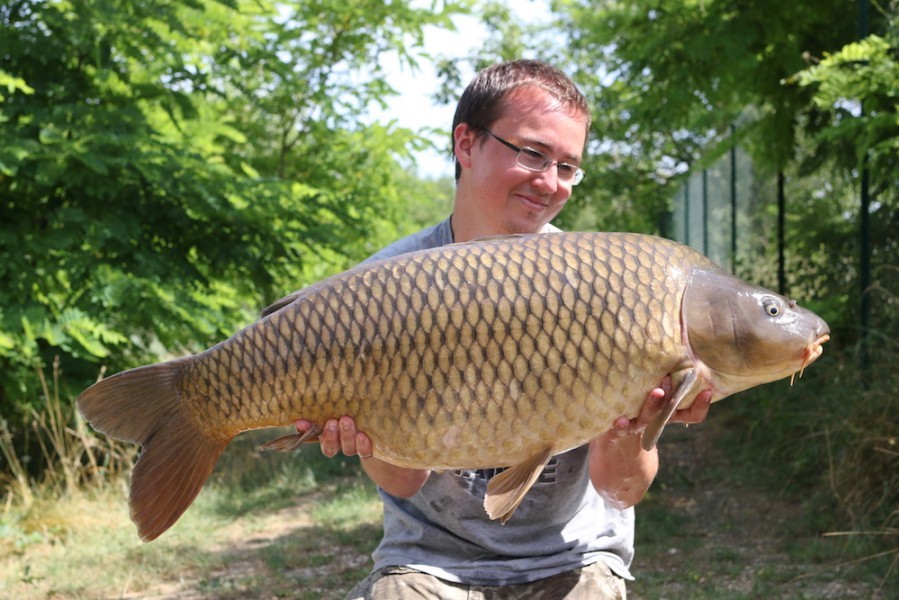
75, 460
18, 486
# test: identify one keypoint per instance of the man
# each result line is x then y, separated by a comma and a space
519, 134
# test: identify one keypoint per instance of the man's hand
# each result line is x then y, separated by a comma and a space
340, 435
697, 411
655, 404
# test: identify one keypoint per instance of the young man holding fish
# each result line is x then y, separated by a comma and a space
519, 135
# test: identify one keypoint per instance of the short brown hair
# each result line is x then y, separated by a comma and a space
481, 102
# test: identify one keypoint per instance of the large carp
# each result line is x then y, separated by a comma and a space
494, 353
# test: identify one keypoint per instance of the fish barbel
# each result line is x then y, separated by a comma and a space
493, 353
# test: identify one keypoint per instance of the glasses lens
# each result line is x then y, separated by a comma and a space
576, 175
533, 160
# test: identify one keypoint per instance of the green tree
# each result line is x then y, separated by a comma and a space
165, 169
856, 88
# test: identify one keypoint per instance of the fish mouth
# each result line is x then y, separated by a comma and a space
815, 349
811, 354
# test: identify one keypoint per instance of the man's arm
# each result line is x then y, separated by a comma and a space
620, 469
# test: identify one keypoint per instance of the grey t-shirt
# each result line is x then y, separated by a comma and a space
561, 524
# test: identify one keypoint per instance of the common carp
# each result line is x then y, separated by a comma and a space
494, 353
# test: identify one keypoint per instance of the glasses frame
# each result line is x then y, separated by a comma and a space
576, 177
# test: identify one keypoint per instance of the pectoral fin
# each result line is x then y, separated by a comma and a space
654, 430
506, 491
289, 443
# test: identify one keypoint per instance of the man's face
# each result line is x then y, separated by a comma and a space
505, 197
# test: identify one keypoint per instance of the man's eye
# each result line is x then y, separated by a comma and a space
567, 169
532, 154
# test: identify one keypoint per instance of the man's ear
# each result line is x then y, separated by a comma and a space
463, 141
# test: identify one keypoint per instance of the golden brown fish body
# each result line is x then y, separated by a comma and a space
493, 353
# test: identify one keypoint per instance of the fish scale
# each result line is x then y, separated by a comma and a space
496, 353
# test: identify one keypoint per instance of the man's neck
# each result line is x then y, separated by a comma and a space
465, 228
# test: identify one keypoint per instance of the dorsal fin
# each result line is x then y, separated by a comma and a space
493, 238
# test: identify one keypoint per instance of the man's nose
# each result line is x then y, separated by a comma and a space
548, 180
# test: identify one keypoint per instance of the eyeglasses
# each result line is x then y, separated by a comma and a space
538, 162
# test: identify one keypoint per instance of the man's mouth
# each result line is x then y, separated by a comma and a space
535, 202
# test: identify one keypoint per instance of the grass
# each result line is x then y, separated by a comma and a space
266, 524
841, 437
232, 543
717, 531
815, 465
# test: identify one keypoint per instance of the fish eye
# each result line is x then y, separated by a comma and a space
772, 307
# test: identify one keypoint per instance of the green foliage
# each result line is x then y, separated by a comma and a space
857, 89
165, 170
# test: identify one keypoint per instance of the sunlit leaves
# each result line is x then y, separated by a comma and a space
168, 168
858, 88
667, 80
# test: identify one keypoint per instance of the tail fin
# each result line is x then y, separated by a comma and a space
143, 406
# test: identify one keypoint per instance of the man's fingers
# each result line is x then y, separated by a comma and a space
330, 439
339, 436
363, 445
348, 436
697, 411
666, 386
622, 423
657, 394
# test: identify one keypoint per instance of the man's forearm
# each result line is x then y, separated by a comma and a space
396, 481
620, 469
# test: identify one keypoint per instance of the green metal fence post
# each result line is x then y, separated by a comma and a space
733, 199
864, 227
705, 212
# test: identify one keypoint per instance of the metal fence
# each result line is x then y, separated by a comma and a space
724, 211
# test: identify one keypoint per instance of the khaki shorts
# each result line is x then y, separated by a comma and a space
594, 582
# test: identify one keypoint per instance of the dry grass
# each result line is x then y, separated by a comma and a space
318, 536
75, 458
